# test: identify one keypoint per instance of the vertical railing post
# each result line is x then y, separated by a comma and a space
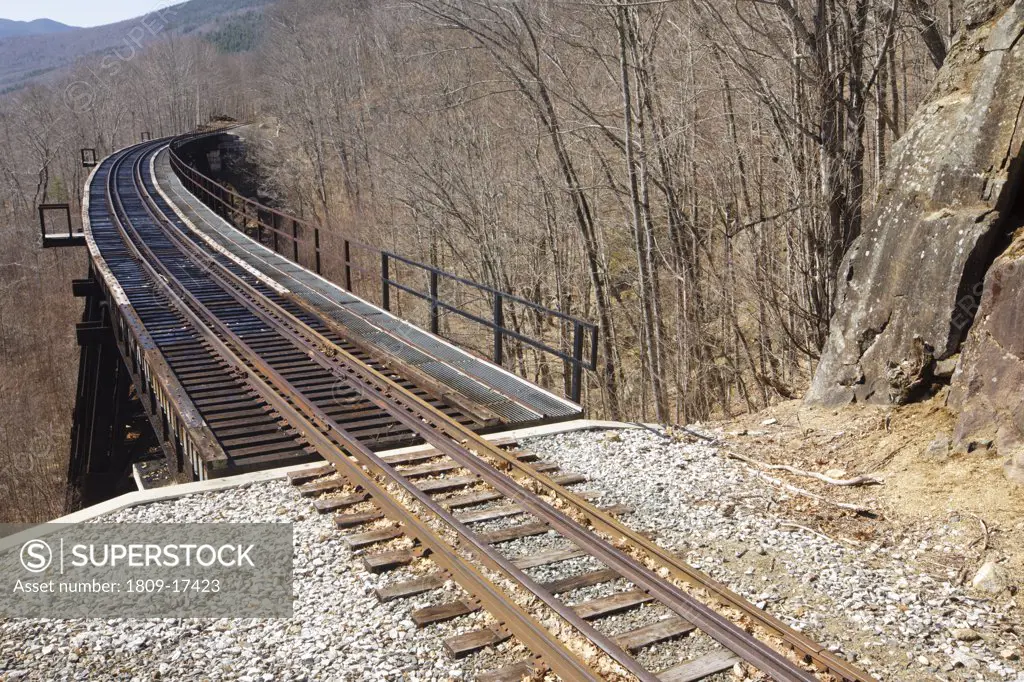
348, 265
499, 329
316, 247
295, 240
385, 277
576, 387
275, 239
435, 318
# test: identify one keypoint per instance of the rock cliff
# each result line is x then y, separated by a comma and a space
911, 284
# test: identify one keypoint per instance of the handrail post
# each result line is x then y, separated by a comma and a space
499, 328
385, 282
295, 240
434, 316
348, 266
576, 387
316, 247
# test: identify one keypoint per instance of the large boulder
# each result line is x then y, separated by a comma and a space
910, 284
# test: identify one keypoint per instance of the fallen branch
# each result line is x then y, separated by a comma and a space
849, 482
984, 533
814, 496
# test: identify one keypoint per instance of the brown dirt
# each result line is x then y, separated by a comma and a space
923, 496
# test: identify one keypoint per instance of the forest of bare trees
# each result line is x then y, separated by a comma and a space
686, 173
106, 105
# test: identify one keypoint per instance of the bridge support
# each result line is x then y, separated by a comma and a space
109, 425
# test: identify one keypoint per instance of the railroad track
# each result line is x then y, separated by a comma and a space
268, 373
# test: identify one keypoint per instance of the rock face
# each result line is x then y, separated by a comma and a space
986, 389
911, 283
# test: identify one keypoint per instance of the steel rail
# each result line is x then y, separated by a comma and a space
157, 385
332, 441
257, 304
415, 414
823, 659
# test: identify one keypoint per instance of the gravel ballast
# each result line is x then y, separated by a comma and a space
340, 631
872, 604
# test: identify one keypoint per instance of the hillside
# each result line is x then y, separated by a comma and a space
10, 28
24, 58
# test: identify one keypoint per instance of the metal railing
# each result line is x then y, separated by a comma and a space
300, 241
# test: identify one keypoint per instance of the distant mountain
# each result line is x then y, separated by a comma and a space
10, 28
231, 25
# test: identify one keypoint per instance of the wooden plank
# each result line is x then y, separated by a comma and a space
372, 537
515, 672
424, 455
569, 479
655, 632
300, 477
411, 457
481, 497
267, 426
606, 606
440, 485
236, 443
329, 485
463, 645
329, 504
715, 662
524, 530
258, 414
442, 612
490, 514
454, 609
470, 499
378, 563
583, 580
411, 588
349, 520
545, 467
551, 556
432, 469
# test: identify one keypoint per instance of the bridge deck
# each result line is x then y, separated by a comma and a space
509, 399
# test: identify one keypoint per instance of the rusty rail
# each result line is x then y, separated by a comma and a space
471, 453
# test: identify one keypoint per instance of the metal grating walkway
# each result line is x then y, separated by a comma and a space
515, 401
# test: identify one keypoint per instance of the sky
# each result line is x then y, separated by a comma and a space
79, 12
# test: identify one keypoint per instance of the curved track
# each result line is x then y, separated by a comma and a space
270, 376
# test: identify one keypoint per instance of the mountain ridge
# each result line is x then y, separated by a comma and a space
29, 58
10, 28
